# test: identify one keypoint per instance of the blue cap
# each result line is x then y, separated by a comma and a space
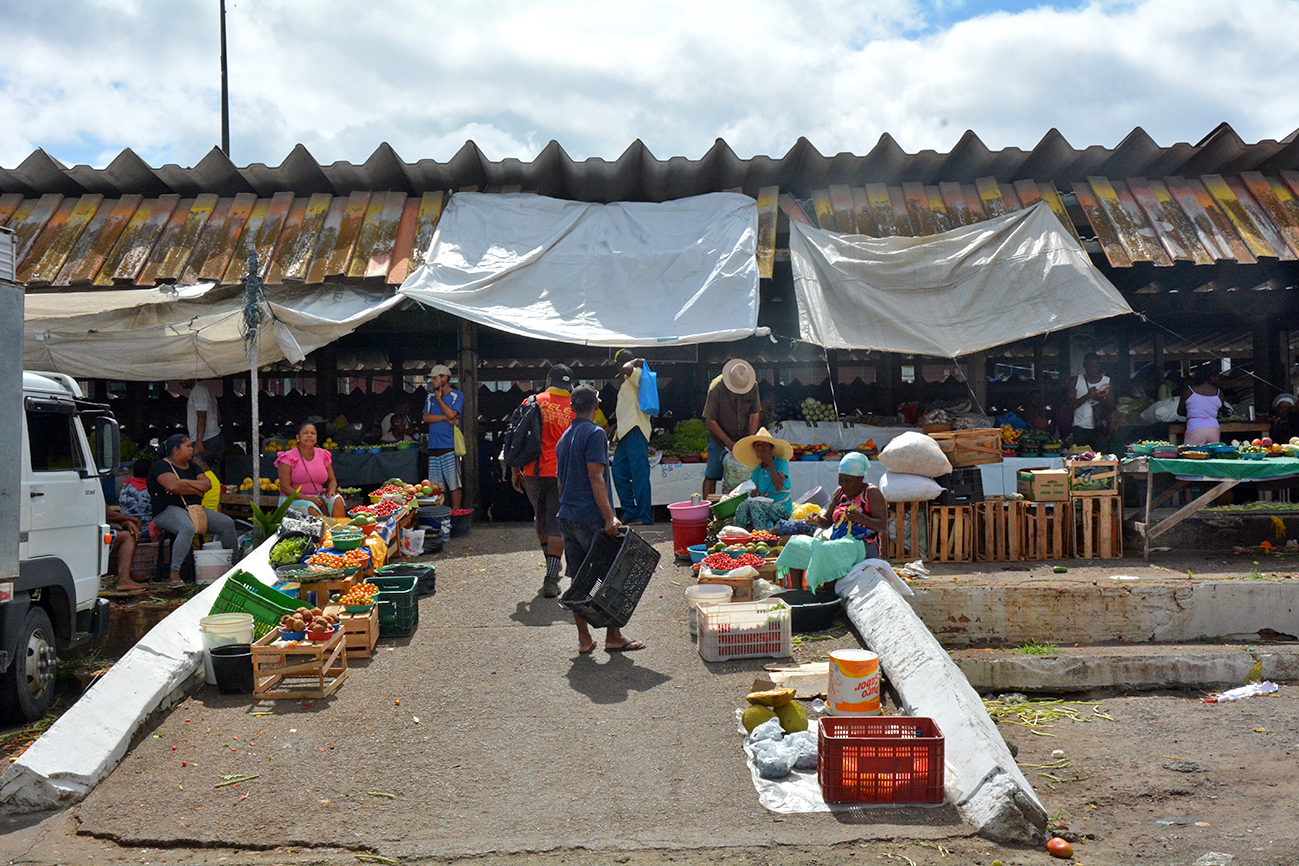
854, 463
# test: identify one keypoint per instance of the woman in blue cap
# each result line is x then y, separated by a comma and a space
857, 517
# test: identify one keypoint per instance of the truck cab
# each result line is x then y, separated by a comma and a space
69, 445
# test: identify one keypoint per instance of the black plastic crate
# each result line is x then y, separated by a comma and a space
611, 579
424, 574
398, 605
962, 486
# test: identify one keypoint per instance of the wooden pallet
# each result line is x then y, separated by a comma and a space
302, 670
1048, 530
1099, 527
999, 530
360, 630
951, 533
909, 522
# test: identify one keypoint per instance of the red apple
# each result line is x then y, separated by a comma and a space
1257, 442
1267, 442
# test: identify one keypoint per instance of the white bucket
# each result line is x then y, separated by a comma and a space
854, 683
210, 564
706, 593
221, 629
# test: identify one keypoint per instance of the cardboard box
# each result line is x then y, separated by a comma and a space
1043, 485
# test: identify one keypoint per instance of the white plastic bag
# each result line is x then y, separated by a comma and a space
900, 487
412, 542
915, 453
743, 571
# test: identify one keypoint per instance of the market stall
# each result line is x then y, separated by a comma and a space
353, 468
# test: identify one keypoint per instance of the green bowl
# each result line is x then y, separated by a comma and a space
358, 608
347, 542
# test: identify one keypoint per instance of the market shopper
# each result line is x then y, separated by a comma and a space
395, 426
732, 411
586, 503
442, 414
1092, 402
857, 517
771, 501
1285, 423
174, 484
632, 433
309, 470
203, 421
1200, 404
538, 480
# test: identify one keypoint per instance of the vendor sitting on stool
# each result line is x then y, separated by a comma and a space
857, 516
768, 457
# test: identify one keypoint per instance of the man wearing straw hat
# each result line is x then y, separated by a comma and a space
731, 411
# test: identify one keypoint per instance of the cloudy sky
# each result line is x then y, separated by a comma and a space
84, 79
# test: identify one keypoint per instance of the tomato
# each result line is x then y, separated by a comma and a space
1058, 847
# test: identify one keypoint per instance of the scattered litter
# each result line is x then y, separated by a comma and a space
1015, 709
382, 794
236, 779
818, 706
913, 569
1057, 754
1174, 822
1124, 577
1249, 691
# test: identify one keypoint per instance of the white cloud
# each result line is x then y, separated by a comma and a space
85, 79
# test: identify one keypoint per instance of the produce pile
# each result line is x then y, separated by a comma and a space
267, 485
814, 410
688, 437
725, 562
359, 556
289, 549
360, 595
311, 619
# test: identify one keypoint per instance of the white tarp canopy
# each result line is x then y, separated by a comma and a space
950, 294
152, 334
622, 274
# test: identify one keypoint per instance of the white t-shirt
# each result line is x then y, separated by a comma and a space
1085, 415
201, 400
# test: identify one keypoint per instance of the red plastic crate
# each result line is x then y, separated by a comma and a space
880, 759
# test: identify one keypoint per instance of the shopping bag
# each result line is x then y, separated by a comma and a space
461, 448
412, 542
649, 390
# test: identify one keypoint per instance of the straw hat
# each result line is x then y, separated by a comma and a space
738, 376
744, 453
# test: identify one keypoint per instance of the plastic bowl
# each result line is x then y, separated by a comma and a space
292, 635
347, 542
319, 636
689, 510
809, 611
697, 553
358, 608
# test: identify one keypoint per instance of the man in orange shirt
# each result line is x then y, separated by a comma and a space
538, 480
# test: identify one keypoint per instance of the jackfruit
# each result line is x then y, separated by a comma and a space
756, 715
771, 698
792, 717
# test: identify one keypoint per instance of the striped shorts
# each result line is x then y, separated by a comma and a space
444, 470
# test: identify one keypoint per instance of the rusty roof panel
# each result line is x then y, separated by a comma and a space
132, 250
841, 202
957, 207
49, 253
1172, 227
338, 259
430, 211
302, 226
824, 210
9, 203
918, 212
1105, 233
178, 240
29, 219
877, 196
378, 235
226, 227
91, 250
1259, 216
45, 236
1239, 215
861, 211
901, 216
793, 210
768, 205
1280, 203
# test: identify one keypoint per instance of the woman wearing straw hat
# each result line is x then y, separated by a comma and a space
857, 517
768, 457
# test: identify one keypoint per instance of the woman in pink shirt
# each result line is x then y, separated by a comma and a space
309, 470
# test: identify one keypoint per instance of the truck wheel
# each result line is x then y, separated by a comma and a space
27, 688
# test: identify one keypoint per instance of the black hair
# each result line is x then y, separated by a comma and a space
1203, 374
1090, 355
585, 398
173, 442
140, 469
305, 424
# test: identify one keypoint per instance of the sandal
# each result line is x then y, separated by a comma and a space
176, 584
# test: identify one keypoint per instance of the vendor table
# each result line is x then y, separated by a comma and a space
838, 435
351, 468
1252, 429
1228, 473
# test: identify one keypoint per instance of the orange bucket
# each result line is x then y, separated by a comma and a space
854, 683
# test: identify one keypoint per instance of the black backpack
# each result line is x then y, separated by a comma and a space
523, 435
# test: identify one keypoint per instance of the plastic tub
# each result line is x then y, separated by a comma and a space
689, 510
816, 496
686, 533
809, 611
232, 665
705, 594
462, 521
223, 629
697, 553
724, 509
211, 563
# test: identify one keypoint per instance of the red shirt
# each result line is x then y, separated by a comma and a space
556, 415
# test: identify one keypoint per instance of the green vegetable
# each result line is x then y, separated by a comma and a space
1059, 569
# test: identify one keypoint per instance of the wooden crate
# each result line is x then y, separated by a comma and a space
1099, 527
1104, 471
999, 530
299, 671
951, 533
1048, 530
909, 523
360, 630
970, 447
741, 587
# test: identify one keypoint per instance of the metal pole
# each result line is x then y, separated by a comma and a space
253, 437
252, 328
225, 88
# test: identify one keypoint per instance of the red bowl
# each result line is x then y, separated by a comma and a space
320, 636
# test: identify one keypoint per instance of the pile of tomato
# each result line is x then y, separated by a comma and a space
763, 535
359, 556
361, 509
386, 508
726, 562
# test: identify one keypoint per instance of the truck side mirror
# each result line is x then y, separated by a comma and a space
108, 444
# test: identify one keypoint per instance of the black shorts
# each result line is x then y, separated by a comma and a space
543, 493
578, 538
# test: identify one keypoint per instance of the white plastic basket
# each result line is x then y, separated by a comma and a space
744, 630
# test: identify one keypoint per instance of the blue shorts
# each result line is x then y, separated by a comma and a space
716, 453
443, 471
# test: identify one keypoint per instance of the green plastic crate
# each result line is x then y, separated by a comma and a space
243, 593
398, 605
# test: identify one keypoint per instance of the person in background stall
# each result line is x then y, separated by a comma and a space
309, 470
133, 498
1034, 411
732, 411
586, 504
538, 480
442, 414
631, 432
769, 458
1200, 404
1093, 406
1285, 423
395, 426
211, 499
203, 421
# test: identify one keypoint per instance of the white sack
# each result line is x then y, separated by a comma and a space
620, 274
950, 294
1162, 412
915, 454
900, 487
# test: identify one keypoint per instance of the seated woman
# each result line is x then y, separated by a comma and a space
309, 470
857, 516
1285, 423
175, 483
768, 457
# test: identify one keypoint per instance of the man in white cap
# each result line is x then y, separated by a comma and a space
732, 412
442, 414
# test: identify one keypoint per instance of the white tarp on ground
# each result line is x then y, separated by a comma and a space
148, 335
622, 274
950, 294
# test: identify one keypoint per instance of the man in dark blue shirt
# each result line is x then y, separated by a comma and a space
586, 503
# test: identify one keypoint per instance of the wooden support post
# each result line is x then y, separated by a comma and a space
327, 381
978, 378
468, 364
1099, 527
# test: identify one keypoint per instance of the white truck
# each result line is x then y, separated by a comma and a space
54, 536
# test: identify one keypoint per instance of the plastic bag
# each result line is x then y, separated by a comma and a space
768, 730
746, 571
297, 523
649, 390
412, 542
775, 758
915, 453
734, 475
900, 487
805, 746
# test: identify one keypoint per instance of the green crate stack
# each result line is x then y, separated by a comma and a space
398, 605
243, 593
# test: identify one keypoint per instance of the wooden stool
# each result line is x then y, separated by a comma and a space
908, 542
951, 533
1048, 530
998, 530
1100, 527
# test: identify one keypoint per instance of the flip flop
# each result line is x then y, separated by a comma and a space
627, 646
175, 584
588, 650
